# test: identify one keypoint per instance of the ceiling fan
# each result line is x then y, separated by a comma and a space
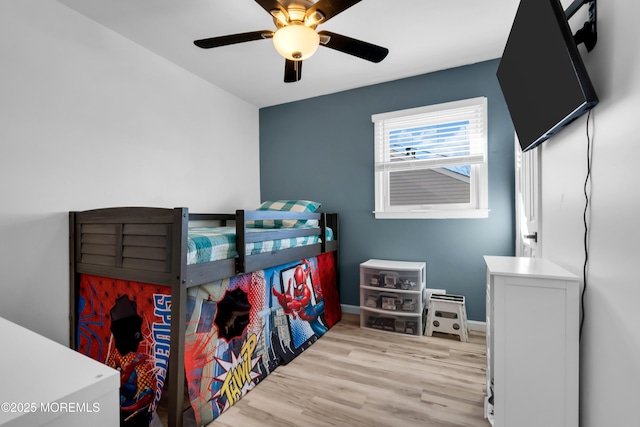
296, 39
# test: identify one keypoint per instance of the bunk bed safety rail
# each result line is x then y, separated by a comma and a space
130, 243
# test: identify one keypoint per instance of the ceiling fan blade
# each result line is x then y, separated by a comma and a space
354, 47
292, 71
330, 8
271, 5
233, 39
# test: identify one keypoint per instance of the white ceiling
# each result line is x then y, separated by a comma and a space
421, 35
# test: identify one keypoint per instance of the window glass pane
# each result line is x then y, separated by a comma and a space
429, 186
430, 142
463, 170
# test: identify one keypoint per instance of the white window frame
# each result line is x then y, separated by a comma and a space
476, 111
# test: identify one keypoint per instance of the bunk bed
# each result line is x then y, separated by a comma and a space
159, 249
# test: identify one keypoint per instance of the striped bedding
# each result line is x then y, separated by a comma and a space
215, 243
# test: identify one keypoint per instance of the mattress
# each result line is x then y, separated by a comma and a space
208, 244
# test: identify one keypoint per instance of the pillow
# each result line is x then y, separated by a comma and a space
286, 206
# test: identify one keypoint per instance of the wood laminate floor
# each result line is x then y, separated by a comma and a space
357, 377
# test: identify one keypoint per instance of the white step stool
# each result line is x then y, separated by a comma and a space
447, 314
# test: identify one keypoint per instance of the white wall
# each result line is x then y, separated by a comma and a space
610, 344
89, 120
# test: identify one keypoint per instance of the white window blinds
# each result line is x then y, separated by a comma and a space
431, 138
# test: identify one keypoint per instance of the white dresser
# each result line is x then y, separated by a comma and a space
533, 310
45, 383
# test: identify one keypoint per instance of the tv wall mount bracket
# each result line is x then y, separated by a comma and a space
587, 34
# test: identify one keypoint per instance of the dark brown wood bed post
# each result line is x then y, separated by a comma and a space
176, 374
241, 266
333, 223
73, 278
323, 232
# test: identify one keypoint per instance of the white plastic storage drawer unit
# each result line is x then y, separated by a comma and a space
392, 296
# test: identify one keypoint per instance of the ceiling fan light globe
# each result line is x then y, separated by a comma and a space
296, 42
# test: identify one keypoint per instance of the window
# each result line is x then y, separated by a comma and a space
431, 162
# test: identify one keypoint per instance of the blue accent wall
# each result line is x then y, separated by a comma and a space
322, 149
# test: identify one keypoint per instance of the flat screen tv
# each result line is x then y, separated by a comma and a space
541, 74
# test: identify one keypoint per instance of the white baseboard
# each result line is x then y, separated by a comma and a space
350, 309
474, 325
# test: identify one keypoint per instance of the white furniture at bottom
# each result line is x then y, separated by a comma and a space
44, 383
533, 309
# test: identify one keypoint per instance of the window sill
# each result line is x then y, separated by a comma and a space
434, 214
